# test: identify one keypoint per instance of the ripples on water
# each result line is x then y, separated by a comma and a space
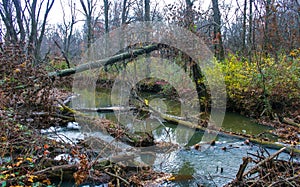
212, 166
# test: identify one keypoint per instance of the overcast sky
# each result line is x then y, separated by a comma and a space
56, 14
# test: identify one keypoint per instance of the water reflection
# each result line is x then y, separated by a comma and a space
212, 166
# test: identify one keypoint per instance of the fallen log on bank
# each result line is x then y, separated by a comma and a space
290, 122
104, 62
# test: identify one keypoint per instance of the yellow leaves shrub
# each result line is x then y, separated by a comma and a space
248, 80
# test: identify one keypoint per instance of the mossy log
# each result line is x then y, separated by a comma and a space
104, 62
115, 130
290, 122
267, 144
221, 132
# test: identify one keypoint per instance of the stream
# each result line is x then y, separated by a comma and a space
212, 166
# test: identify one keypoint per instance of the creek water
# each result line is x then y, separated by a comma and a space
212, 166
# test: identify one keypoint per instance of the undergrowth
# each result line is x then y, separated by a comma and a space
263, 87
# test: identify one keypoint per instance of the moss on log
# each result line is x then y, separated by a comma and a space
104, 62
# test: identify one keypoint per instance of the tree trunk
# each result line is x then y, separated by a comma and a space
105, 62
244, 27
39, 38
124, 12
19, 16
7, 17
106, 8
250, 41
147, 10
218, 44
189, 17
88, 13
266, 29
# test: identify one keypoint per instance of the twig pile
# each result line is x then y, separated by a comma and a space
268, 171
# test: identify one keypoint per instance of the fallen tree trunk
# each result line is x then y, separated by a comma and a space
117, 131
104, 62
105, 109
290, 122
215, 130
267, 144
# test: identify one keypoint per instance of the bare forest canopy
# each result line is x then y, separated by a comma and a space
248, 27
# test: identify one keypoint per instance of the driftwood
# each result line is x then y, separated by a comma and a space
268, 171
243, 166
264, 161
104, 62
290, 122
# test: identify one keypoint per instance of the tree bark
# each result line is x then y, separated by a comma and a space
88, 9
105, 62
267, 24
124, 12
106, 8
7, 17
147, 10
244, 26
219, 50
189, 17
250, 39
19, 15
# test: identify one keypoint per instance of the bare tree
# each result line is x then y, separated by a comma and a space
26, 24
106, 8
66, 29
147, 10
244, 26
138, 10
250, 34
89, 7
218, 44
124, 12
189, 18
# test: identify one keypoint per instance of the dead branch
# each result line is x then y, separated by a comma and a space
243, 166
264, 161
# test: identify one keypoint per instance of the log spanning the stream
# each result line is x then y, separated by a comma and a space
221, 132
106, 109
104, 62
182, 121
214, 130
115, 130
